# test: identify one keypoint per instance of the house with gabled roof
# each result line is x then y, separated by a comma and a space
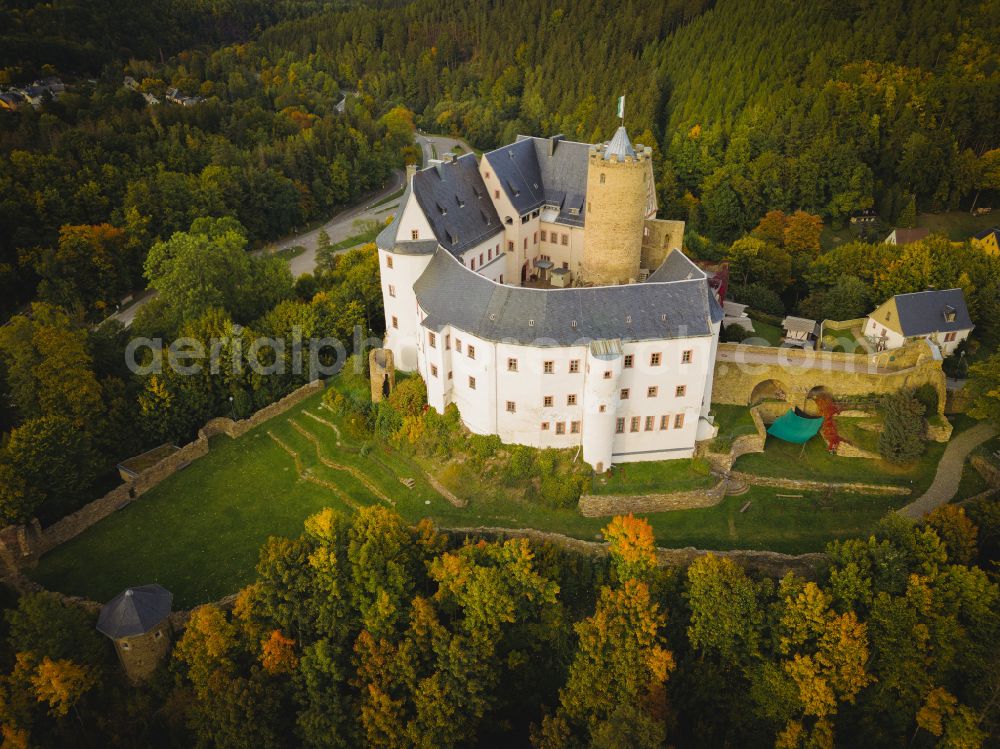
938, 315
988, 240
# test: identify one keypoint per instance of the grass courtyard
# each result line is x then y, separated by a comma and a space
198, 533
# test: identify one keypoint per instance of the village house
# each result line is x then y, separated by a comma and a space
939, 315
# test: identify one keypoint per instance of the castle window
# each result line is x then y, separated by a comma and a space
511, 407
634, 425
447, 343
678, 421
510, 247
489, 254
545, 426
388, 261
449, 374
414, 234
629, 361
458, 345
547, 401
480, 258
534, 239
434, 370
571, 399
686, 356
651, 391
620, 425
949, 337
472, 351
607, 374
512, 365
602, 408
565, 239
487, 175
654, 359
574, 427
548, 367
560, 427
472, 383
525, 243
602, 178
392, 290
574, 366
544, 235
395, 322
473, 263
496, 194
650, 423
664, 421
681, 391
432, 340
623, 395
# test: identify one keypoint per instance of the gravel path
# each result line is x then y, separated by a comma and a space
949, 470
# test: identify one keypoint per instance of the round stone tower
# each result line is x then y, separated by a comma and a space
620, 197
137, 620
382, 373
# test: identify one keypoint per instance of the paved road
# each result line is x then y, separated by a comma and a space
441, 145
949, 471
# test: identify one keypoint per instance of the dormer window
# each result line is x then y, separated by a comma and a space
461, 203
574, 211
949, 313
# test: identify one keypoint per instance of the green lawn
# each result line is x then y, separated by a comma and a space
198, 533
957, 225
655, 476
770, 333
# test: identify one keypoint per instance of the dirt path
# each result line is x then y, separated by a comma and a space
949, 470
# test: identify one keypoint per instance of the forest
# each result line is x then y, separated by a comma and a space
367, 632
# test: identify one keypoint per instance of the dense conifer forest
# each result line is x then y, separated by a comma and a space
770, 120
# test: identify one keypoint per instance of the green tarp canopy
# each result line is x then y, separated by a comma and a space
792, 427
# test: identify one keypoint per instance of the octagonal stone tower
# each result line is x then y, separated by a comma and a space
138, 621
620, 197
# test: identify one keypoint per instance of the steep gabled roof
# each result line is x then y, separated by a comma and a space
986, 232
454, 200
134, 611
924, 312
450, 293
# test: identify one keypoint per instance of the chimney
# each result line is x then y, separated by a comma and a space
553, 141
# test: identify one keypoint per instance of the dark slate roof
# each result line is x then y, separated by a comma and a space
454, 199
387, 239
923, 312
619, 147
544, 171
676, 267
452, 294
986, 232
134, 611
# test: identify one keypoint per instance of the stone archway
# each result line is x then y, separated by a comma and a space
768, 390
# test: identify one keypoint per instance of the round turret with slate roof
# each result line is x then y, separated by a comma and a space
137, 620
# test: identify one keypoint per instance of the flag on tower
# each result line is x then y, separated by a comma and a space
621, 107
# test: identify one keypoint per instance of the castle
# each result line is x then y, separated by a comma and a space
535, 289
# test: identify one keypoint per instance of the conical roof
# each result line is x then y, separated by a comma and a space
619, 147
134, 611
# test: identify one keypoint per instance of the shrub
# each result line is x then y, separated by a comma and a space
560, 491
521, 464
927, 394
902, 437
735, 334
387, 421
409, 396
484, 446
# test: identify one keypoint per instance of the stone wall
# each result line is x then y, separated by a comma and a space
742, 445
808, 485
986, 469
740, 368
20, 546
769, 563
605, 505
